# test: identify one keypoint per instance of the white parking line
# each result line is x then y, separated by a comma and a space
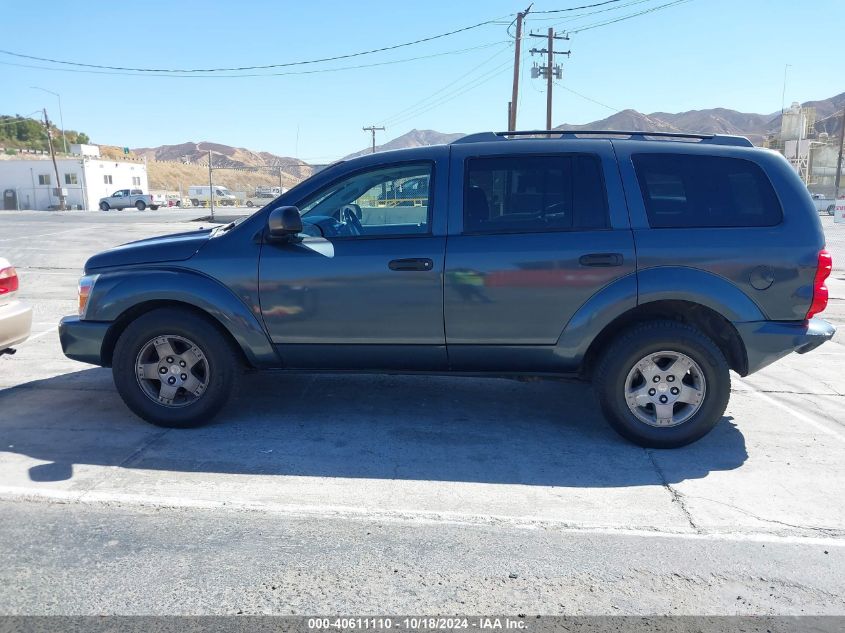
32, 237
793, 412
97, 498
40, 334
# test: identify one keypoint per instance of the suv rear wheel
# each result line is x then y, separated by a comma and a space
140, 205
662, 384
173, 368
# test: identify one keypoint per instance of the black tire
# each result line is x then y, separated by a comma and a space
140, 205
224, 362
249, 203
104, 206
831, 210
195, 202
154, 207
634, 344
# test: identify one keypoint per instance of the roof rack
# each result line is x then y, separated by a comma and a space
714, 139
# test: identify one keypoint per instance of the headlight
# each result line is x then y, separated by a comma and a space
86, 285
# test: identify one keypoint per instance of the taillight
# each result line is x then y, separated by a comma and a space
8, 280
820, 293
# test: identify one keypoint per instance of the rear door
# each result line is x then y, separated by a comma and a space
533, 234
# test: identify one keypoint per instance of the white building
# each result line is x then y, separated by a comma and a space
31, 183
85, 150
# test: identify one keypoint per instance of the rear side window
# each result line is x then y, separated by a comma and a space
523, 194
688, 191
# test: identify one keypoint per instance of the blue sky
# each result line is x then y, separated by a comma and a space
699, 54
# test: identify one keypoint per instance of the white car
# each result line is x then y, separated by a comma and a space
15, 316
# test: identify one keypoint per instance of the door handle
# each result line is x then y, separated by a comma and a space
422, 263
601, 259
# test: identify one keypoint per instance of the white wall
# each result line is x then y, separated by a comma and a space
124, 175
85, 150
22, 176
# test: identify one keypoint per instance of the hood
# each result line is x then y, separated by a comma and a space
168, 248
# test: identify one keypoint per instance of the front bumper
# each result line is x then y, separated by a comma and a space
15, 324
83, 340
767, 341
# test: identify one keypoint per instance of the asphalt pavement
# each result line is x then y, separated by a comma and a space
373, 494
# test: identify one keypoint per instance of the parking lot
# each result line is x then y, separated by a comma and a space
339, 493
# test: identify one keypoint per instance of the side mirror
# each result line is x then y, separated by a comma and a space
284, 222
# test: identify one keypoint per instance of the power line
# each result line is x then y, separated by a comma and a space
568, 18
628, 17
235, 76
257, 67
583, 96
420, 104
586, 6
472, 86
20, 119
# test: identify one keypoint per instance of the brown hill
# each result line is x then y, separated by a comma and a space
715, 121
225, 156
414, 138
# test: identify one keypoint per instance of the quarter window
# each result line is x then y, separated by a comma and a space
385, 202
690, 191
520, 194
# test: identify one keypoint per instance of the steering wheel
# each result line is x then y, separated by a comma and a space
349, 215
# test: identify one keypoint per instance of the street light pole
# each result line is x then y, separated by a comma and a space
61, 116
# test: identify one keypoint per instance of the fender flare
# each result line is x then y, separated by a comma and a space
118, 292
669, 283
680, 283
593, 316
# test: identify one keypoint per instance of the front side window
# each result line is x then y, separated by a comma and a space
690, 191
390, 201
523, 194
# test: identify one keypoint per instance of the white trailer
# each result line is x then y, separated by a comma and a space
200, 196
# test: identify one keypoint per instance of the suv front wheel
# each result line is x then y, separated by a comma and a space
174, 368
662, 384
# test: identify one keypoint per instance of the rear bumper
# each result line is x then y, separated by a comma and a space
767, 341
15, 324
83, 340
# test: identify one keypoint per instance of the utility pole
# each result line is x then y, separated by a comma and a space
61, 116
839, 160
210, 187
551, 70
515, 92
280, 179
372, 129
55, 165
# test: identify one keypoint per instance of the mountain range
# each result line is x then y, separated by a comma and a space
227, 156
709, 121
716, 121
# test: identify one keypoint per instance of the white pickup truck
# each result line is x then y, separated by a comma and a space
123, 198
823, 204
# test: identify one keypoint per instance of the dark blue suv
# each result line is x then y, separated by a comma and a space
651, 264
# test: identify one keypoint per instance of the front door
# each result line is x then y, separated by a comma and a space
363, 287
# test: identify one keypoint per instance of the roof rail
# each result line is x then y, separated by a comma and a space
714, 139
